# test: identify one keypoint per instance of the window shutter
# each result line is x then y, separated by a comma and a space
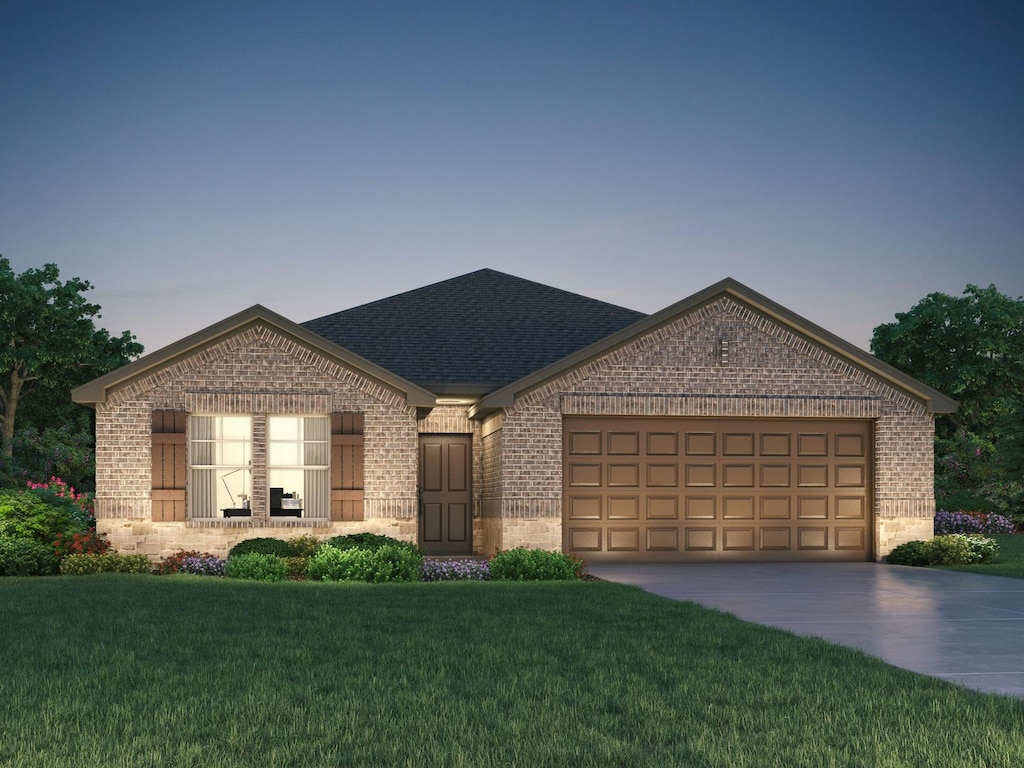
346, 466
170, 466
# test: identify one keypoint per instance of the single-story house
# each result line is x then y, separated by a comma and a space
488, 412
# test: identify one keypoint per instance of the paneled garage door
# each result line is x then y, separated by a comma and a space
672, 490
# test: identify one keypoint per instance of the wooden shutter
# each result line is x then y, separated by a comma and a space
346, 466
170, 465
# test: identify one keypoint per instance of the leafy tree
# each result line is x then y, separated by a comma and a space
49, 345
971, 348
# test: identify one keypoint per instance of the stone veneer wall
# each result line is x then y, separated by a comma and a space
258, 372
676, 370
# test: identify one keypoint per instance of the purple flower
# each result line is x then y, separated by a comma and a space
971, 522
455, 570
203, 565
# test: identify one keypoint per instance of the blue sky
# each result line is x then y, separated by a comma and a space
191, 159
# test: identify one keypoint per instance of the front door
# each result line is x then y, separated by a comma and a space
446, 526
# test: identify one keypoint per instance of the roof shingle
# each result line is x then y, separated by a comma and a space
475, 333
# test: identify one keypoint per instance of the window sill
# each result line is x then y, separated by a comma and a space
259, 522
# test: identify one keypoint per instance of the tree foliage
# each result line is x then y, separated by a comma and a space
49, 344
971, 348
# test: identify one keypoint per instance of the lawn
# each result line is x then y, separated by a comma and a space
1009, 561
188, 671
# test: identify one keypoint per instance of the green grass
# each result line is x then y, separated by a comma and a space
116, 670
1009, 561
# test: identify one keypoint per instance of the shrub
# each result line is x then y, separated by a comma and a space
983, 549
87, 543
24, 515
257, 566
82, 565
455, 570
950, 549
384, 563
304, 546
265, 545
523, 564
172, 563
297, 567
58, 493
370, 541
910, 553
202, 565
26, 557
971, 522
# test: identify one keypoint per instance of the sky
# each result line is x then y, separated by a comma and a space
191, 159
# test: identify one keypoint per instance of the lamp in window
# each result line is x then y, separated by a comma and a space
224, 479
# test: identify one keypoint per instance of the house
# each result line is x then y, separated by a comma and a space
488, 412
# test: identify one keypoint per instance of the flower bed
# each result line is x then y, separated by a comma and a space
971, 522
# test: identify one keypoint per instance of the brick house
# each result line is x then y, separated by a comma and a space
487, 412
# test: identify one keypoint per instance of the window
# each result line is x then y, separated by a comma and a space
298, 466
220, 464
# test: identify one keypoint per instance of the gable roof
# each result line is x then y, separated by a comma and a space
473, 334
97, 390
933, 400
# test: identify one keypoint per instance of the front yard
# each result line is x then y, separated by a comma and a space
116, 670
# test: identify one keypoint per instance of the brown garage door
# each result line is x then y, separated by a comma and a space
671, 490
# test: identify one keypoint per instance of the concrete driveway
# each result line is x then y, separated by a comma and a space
960, 627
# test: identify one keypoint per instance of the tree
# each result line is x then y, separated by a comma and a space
49, 345
971, 348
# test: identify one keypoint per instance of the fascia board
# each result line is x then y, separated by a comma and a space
97, 390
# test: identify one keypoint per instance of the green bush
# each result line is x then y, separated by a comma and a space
82, 565
304, 546
951, 549
384, 563
262, 545
961, 549
296, 566
983, 549
524, 564
370, 541
910, 553
24, 515
58, 493
26, 557
256, 566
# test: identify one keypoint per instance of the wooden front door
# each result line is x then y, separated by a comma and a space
446, 526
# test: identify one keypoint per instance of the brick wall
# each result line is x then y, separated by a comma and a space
678, 370
257, 372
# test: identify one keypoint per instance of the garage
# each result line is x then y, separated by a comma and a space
677, 489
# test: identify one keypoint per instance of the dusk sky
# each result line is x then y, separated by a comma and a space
191, 159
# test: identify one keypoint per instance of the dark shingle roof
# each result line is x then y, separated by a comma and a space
474, 333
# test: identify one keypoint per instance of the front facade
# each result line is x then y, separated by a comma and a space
722, 428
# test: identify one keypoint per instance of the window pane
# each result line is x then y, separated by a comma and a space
285, 428
288, 480
236, 427
285, 454
220, 457
298, 457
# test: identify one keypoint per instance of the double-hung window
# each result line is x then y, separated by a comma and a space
220, 464
298, 464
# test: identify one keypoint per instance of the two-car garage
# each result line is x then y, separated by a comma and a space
701, 489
